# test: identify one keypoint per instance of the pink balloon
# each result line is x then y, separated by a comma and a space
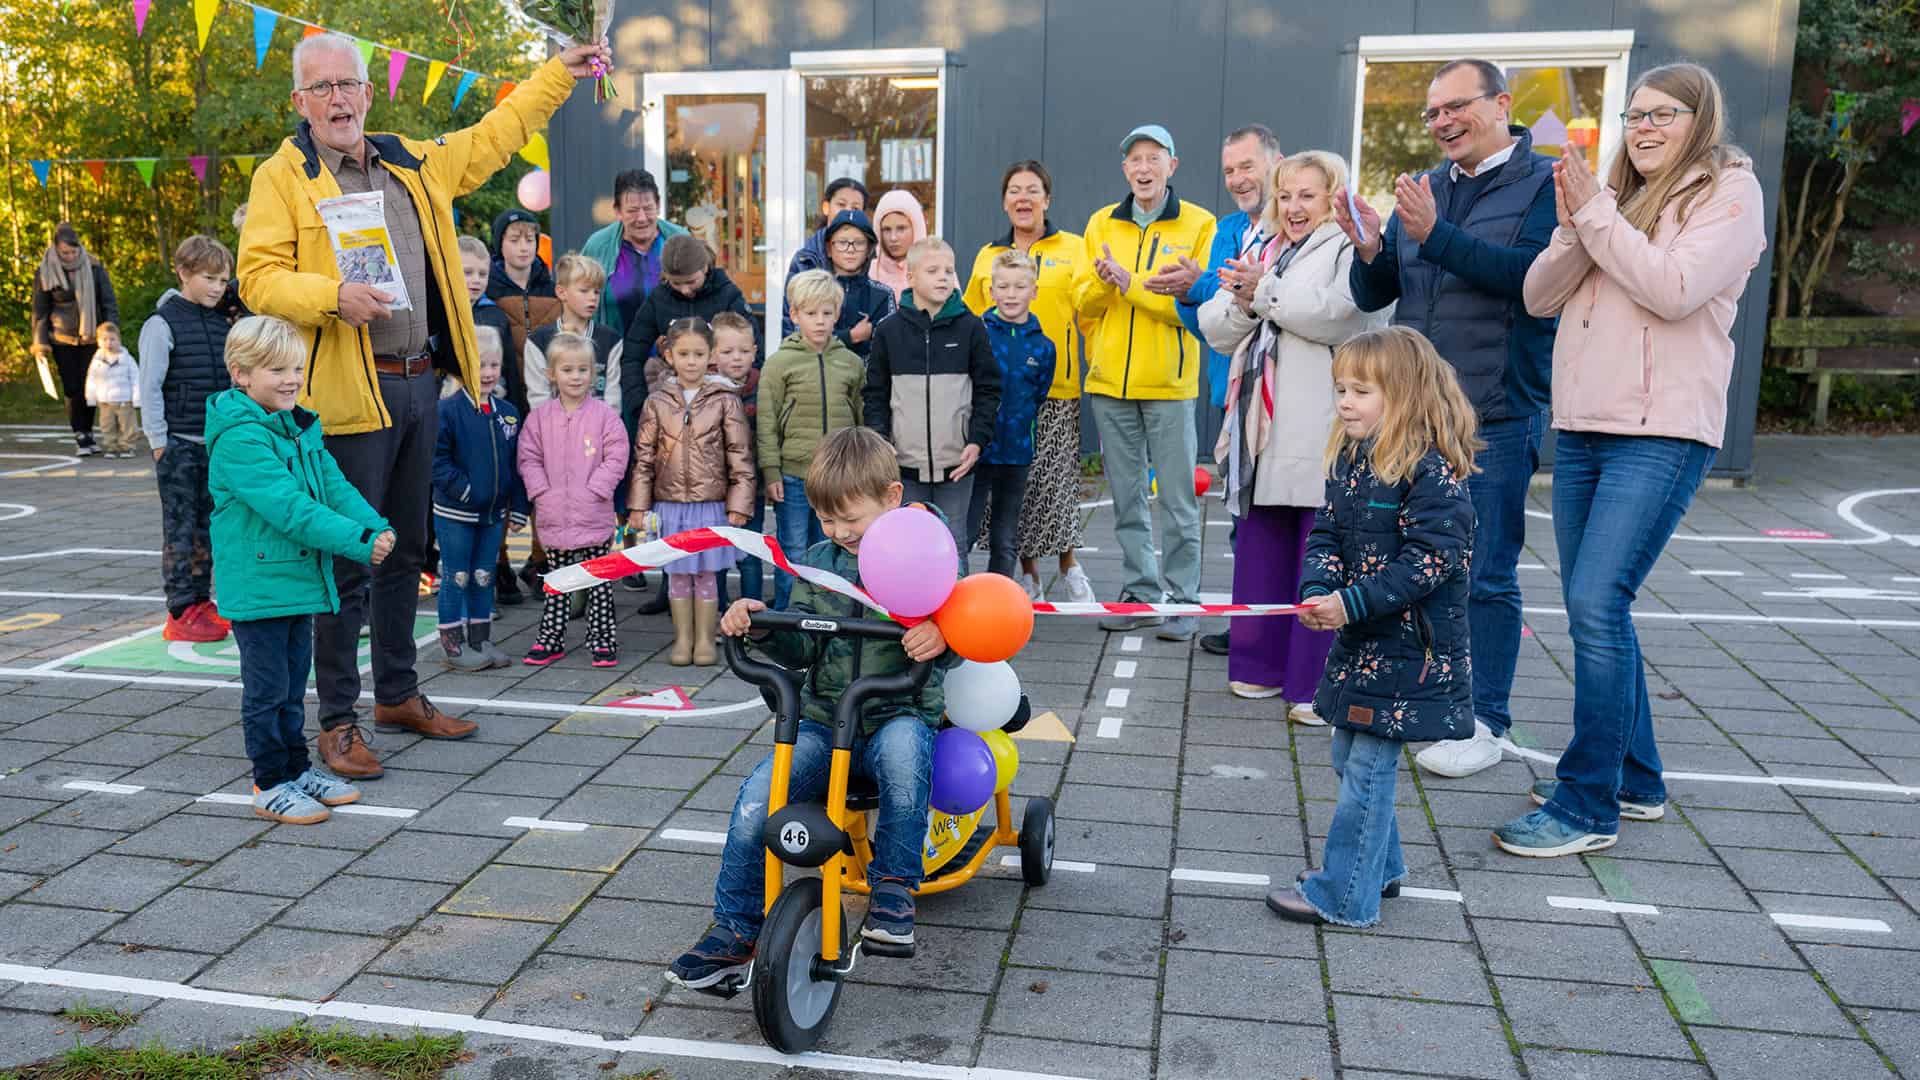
536, 190
908, 561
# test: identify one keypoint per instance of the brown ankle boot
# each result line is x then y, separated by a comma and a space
417, 714
682, 608
343, 750
706, 621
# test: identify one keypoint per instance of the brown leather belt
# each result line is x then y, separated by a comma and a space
404, 366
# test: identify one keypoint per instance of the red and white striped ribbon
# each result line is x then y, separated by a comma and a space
657, 553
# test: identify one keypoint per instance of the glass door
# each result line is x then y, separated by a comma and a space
717, 143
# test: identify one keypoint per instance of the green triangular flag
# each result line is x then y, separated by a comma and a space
145, 165
366, 50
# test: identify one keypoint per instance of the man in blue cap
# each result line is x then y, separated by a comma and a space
1143, 372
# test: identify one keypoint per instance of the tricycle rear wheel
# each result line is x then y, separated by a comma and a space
1036, 841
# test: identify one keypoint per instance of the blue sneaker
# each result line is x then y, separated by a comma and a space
1540, 835
1631, 809
326, 788
721, 955
288, 805
890, 915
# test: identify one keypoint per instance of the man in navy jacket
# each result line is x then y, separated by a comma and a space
1454, 256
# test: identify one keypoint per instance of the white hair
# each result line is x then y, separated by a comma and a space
329, 40
488, 339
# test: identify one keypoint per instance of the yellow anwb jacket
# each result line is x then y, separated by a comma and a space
1138, 348
286, 265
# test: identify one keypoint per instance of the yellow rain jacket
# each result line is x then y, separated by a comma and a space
1059, 255
1138, 348
286, 265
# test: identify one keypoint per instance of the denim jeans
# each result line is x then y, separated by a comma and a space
1616, 501
797, 530
752, 570
1362, 851
1499, 494
1002, 488
899, 758
467, 556
954, 498
275, 657
1133, 436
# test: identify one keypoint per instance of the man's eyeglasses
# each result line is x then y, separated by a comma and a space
850, 245
338, 86
1451, 108
1660, 117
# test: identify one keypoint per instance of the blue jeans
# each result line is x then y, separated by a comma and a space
1136, 435
1001, 488
276, 656
1362, 851
468, 553
899, 759
1499, 493
1616, 501
797, 530
751, 569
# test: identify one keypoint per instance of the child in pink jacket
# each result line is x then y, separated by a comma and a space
573, 456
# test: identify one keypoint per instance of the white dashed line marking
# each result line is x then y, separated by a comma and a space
544, 825
1530, 566
101, 786
1131, 643
1583, 903
1110, 727
1220, 877
1905, 579
1818, 577
1124, 669
1417, 893
1058, 864
232, 798
1117, 697
1718, 573
1830, 922
692, 836
125, 597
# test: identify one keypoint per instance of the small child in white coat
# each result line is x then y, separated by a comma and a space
113, 387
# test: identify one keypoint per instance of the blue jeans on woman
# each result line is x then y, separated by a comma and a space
1362, 854
1616, 502
276, 656
797, 530
898, 758
468, 553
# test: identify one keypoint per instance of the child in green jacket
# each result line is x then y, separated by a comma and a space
282, 511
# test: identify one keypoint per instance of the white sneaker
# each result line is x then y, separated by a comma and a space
1079, 589
1455, 758
1304, 715
1254, 691
1036, 590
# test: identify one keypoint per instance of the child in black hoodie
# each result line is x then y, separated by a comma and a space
690, 287
520, 283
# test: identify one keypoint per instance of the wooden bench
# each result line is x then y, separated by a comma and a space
1825, 347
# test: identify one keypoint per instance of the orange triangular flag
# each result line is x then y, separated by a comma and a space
313, 31
501, 94
98, 170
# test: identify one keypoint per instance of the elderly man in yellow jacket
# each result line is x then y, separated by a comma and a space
1143, 372
371, 364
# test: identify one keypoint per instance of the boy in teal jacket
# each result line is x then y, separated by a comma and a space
282, 511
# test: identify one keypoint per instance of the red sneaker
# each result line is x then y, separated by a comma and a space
208, 620
191, 626
212, 612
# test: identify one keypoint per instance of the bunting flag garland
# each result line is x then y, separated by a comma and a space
41, 169
203, 165
467, 79
500, 95
146, 166
312, 31
198, 163
263, 23
98, 170
140, 16
366, 50
535, 153
1909, 115
435, 71
396, 67
203, 12
245, 163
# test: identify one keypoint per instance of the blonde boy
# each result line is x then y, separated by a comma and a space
577, 281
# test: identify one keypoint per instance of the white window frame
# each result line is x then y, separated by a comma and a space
904, 62
1611, 49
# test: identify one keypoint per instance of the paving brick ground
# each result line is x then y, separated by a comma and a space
1765, 929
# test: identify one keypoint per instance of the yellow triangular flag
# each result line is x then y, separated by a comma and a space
1044, 728
535, 152
434, 71
245, 162
203, 12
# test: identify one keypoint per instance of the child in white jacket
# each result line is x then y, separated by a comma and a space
113, 386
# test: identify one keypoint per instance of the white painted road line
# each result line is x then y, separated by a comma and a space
1117, 697
1732, 778
102, 786
128, 597
1830, 922
1415, 892
1718, 573
694, 1049
548, 826
1131, 643
1110, 727
1220, 877
64, 552
1582, 903
1819, 577
1530, 566
1058, 864
1741, 617
1124, 669
234, 798
49, 666
229, 798
692, 836
1906, 579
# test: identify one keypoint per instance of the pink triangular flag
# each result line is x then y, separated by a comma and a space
140, 16
1909, 115
396, 67
199, 165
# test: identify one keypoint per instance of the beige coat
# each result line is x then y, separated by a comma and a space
1311, 311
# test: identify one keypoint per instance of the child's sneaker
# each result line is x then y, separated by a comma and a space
606, 658
1540, 835
720, 955
542, 655
188, 626
326, 788
1079, 589
890, 915
288, 805
210, 611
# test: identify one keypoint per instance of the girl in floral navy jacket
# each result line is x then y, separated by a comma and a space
1387, 566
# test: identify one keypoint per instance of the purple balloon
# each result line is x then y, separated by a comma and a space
908, 561
964, 772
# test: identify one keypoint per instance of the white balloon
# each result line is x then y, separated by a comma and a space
982, 697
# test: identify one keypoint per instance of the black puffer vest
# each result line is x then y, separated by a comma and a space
197, 367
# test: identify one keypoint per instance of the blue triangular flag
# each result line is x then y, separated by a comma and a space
466, 83
40, 170
263, 22
456, 217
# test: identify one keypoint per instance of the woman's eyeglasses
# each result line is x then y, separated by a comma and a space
1660, 117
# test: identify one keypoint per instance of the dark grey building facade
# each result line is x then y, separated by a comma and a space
938, 96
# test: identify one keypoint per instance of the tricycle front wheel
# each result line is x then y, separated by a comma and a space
791, 1005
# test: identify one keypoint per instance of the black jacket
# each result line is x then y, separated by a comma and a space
662, 306
933, 385
197, 365
864, 296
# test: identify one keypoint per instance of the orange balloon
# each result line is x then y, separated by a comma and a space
987, 618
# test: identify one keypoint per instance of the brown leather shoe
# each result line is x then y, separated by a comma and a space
417, 714
1291, 906
344, 751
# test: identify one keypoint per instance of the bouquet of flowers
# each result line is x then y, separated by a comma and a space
576, 22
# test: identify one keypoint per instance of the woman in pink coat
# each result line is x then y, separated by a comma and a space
1645, 275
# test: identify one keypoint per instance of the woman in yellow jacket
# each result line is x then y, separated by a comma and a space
1050, 515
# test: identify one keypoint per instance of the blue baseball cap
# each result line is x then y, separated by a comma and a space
1148, 131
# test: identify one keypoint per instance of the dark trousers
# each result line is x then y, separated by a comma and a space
393, 470
275, 656
186, 518
998, 491
72, 362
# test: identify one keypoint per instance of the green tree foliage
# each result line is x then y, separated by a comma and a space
76, 82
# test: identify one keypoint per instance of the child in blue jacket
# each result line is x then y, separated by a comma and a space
1026, 359
477, 499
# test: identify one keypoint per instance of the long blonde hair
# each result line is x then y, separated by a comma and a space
1423, 406
1642, 198
1331, 167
